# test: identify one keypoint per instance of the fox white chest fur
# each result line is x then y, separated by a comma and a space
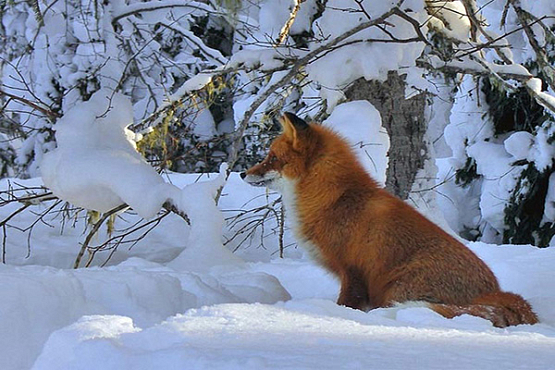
287, 189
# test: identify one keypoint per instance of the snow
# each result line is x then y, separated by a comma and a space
354, 60
278, 314
360, 123
499, 178
549, 210
179, 298
96, 165
518, 144
450, 18
234, 336
144, 315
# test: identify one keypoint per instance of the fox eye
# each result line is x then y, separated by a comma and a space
273, 158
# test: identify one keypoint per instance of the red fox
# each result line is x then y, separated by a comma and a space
383, 251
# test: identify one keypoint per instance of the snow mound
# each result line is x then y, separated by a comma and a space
235, 336
137, 291
96, 165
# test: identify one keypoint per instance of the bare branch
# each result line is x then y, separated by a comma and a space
94, 230
153, 6
287, 26
47, 112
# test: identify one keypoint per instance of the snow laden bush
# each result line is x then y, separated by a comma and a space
501, 132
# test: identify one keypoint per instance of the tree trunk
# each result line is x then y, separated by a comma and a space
406, 125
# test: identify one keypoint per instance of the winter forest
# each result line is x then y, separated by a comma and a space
129, 241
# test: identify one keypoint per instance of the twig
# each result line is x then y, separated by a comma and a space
4, 240
541, 55
169, 206
281, 231
464, 68
119, 238
94, 230
470, 6
149, 7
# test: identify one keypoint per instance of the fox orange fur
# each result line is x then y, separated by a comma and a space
383, 251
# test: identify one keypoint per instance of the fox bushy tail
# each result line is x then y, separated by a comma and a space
501, 308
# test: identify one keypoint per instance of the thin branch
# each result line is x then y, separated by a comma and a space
466, 67
49, 113
541, 56
476, 25
119, 239
149, 7
94, 230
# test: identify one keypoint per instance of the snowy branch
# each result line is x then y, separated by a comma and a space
526, 20
294, 70
138, 8
474, 67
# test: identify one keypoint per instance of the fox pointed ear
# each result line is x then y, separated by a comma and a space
293, 125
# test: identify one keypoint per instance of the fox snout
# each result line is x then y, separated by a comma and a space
262, 179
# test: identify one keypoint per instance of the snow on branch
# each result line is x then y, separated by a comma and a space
527, 20
134, 9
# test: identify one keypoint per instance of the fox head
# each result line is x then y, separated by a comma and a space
288, 156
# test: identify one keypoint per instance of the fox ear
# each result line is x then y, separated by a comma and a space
292, 126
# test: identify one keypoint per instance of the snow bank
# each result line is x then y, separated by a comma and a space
233, 336
144, 314
39, 300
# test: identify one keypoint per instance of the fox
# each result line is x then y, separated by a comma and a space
383, 251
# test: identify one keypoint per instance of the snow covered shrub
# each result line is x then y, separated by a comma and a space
58, 54
503, 153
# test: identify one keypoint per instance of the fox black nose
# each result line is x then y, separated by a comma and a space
243, 175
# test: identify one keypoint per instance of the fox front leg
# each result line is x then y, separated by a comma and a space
354, 290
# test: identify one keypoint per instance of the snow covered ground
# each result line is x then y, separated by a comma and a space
149, 309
